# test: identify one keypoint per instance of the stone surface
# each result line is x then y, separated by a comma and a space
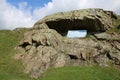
103, 36
45, 46
94, 20
41, 49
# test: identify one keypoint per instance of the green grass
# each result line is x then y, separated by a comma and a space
116, 25
11, 69
82, 73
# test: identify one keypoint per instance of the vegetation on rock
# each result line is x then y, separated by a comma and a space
116, 23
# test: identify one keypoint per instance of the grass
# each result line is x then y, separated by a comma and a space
11, 69
116, 24
82, 73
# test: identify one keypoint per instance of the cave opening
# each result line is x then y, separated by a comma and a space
73, 57
24, 44
64, 25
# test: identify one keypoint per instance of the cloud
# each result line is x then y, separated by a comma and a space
68, 5
23, 16
12, 17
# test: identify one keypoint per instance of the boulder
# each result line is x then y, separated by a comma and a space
45, 45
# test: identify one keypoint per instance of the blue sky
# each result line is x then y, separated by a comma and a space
33, 3
77, 33
24, 13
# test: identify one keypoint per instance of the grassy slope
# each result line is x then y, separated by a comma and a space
12, 70
82, 73
9, 68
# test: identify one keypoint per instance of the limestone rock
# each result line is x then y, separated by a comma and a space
103, 36
94, 20
40, 49
45, 45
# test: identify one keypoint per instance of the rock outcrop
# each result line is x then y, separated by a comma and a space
41, 49
94, 20
45, 45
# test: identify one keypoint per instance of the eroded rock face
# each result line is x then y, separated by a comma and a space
41, 49
94, 50
94, 20
44, 46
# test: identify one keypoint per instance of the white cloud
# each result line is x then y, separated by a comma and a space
12, 17
68, 5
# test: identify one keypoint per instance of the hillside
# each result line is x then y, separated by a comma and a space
44, 52
11, 69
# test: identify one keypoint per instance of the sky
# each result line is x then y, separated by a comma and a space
77, 33
24, 13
